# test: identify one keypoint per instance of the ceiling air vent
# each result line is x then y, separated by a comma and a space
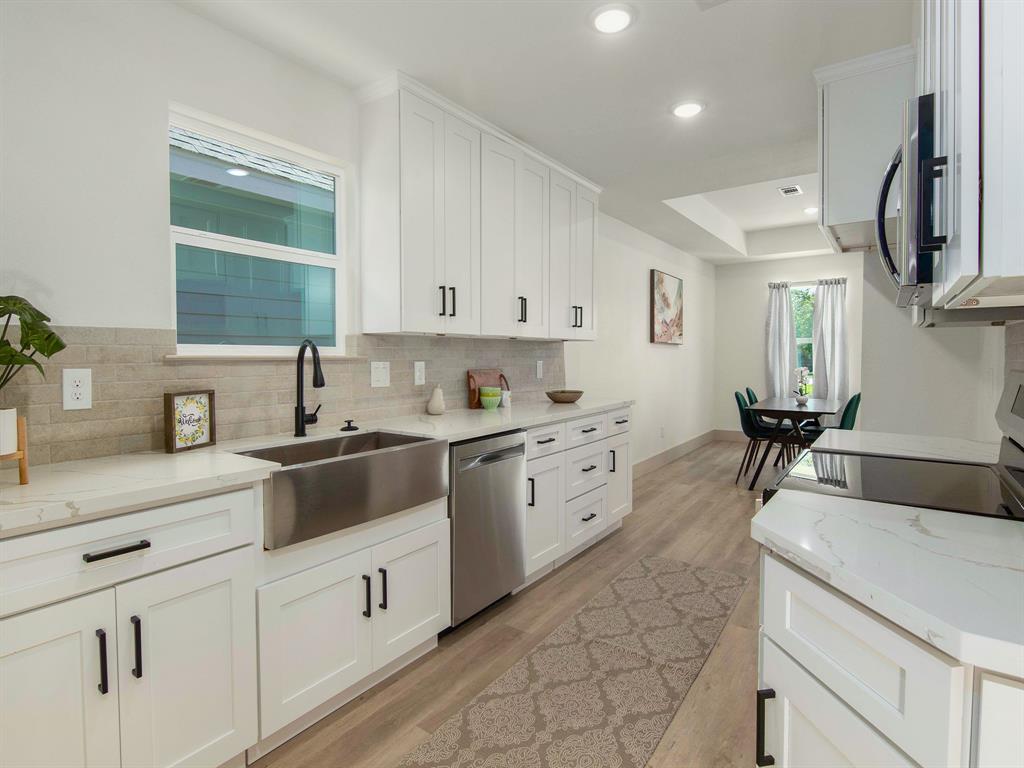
790, 190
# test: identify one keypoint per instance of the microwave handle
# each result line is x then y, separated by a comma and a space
883, 198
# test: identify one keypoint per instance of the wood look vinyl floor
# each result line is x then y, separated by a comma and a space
687, 510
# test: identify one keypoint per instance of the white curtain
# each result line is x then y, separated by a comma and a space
781, 342
831, 361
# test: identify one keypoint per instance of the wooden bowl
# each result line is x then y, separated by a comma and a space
564, 395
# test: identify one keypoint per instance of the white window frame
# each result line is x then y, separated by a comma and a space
803, 339
215, 128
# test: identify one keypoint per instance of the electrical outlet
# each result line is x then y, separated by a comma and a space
380, 374
77, 389
540, 369
419, 372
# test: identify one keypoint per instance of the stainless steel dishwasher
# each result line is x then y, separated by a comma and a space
486, 505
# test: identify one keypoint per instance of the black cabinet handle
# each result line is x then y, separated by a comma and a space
931, 169
545, 441
613, 461
384, 588
522, 309
444, 301
533, 490
589, 517
591, 468
526, 309
452, 313
92, 557
366, 580
761, 758
588, 430
581, 317
104, 685
622, 421
137, 630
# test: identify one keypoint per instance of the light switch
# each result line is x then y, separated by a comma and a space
540, 369
77, 389
419, 372
380, 374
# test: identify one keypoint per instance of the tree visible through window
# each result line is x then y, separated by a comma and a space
802, 300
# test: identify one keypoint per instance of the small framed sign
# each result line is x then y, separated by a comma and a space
189, 420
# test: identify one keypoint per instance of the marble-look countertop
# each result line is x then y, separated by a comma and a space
955, 581
908, 446
75, 491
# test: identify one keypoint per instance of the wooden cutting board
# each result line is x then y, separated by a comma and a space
483, 377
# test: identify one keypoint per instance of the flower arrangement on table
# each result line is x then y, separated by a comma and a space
803, 385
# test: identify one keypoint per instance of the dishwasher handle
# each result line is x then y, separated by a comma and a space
491, 457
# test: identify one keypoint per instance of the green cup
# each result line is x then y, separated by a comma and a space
490, 391
490, 402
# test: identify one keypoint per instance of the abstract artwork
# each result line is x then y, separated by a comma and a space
666, 308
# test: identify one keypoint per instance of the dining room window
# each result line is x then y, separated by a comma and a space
802, 301
255, 237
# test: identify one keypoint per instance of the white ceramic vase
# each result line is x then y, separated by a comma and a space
8, 430
801, 399
435, 406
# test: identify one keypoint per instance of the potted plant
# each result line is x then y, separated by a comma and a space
35, 339
803, 385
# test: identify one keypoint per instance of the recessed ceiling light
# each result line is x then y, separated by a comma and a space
238, 171
810, 211
610, 19
687, 109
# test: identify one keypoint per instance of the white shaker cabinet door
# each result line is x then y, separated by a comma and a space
187, 663
461, 227
422, 139
501, 309
562, 310
620, 477
583, 271
545, 511
57, 707
315, 638
532, 226
412, 595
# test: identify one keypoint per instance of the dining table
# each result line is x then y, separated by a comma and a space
787, 409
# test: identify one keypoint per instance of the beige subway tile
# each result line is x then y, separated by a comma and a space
146, 336
84, 449
118, 354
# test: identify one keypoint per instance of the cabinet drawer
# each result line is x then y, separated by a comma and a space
542, 441
588, 430
585, 517
44, 567
618, 421
912, 694
586, 468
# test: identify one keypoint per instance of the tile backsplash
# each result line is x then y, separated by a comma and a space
131, 372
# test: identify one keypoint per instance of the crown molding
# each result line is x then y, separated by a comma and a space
870, 63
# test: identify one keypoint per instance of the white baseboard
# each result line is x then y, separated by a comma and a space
730, 436
665, 457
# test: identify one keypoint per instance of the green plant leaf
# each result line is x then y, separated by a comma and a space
11, 356
21, 309
39, 336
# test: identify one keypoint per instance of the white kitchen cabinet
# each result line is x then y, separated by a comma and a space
500, 172
54, 710
584, 296
186, 663
544, 519
999, 733
315, 638
585, 517
532, 225
806, 726
573, 239
586, 468
860, 127
411, 593
620, 477
461, 246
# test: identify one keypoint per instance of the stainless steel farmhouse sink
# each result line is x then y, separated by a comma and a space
327, 485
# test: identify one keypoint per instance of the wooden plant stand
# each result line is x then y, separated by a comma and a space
21, 455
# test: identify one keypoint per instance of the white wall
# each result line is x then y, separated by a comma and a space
927, 381
672, 385
741, 309
84, 157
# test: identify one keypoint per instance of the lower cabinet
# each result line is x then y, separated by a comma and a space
325, 629
803, 725
167, 677
585, 517
620, 477
544, 520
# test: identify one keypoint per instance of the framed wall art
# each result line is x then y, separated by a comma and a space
666, 308
189, 420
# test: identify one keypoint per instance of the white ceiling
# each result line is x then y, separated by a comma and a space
760, 206
598, 103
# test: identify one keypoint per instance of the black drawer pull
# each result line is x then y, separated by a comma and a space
591, 468
383, 604
104, 685
546, 440
92, 557
366, 580
589, 517
612, 469
137, 630
452, 313
622, 421
444, 302
533, 492
588, 430
761, 758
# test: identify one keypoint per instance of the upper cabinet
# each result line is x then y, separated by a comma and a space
860, 128
467, 231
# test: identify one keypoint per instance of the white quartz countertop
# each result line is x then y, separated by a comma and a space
74, 491
908, 446
956, 581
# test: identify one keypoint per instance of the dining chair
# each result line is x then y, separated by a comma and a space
756, 435
847, 421
761, 421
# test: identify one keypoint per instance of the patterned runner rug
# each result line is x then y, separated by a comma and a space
601, 690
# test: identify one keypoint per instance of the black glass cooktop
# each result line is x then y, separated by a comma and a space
975, 489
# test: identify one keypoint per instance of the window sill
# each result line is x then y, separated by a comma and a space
196, 357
